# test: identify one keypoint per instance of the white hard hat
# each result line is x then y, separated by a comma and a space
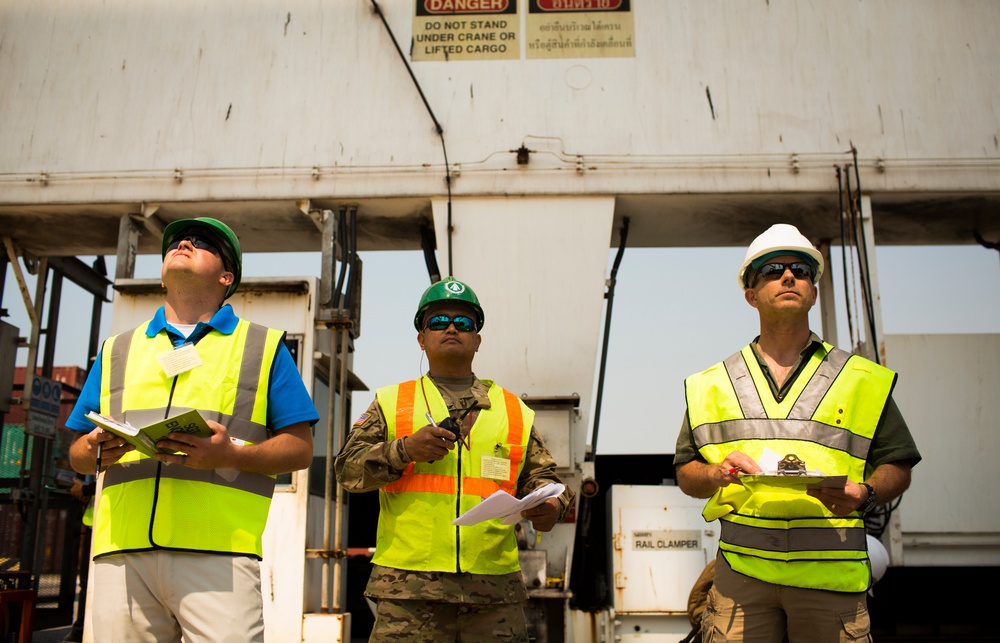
781, 238
879, 557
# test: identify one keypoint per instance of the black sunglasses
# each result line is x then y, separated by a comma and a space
198, 241
441, 322
800, 270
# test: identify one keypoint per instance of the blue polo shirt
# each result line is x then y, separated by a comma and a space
288, 401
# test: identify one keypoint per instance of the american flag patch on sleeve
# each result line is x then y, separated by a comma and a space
364, 416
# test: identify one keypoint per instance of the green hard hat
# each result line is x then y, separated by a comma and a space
229, 244
448, 289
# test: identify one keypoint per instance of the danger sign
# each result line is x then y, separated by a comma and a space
466, 30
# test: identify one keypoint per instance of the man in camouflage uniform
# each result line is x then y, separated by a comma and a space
434, 581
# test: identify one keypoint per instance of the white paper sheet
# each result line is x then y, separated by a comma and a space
506, 507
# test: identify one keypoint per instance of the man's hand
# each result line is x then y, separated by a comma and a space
736, 463
290, 449
213, 452
841, 501
83, 452
729, 470
544, 517
702, 479
429, 444
77, 490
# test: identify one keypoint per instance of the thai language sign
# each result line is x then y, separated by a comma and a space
580, 29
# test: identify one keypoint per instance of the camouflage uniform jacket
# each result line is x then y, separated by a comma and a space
367, 462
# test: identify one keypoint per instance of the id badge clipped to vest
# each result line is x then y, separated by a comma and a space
179, 360
494, 468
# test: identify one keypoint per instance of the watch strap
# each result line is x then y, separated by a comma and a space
870, 501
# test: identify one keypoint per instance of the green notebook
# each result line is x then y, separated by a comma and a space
145, 438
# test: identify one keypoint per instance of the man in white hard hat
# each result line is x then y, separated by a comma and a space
792, 559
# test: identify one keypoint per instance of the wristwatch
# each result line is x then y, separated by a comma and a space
871, 501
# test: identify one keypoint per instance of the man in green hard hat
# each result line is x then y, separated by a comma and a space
177, 538
213, 235
434, 448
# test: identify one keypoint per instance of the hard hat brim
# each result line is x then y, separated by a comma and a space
221, 232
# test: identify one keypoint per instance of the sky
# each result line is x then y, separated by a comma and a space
676, 311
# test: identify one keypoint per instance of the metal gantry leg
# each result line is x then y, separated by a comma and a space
339, 310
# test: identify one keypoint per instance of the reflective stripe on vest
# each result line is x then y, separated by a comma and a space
146, 504
827, 419
411, 481
415, 529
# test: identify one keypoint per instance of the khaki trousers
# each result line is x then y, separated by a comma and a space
741, 608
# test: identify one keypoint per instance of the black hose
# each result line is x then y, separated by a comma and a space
610, 296
843, 256
427, 245
437, 125
869, 304
337, 299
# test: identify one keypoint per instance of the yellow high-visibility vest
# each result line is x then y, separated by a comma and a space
146, 504
415, 529
827, 419
88, 514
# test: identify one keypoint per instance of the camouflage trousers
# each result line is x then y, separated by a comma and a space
436, 622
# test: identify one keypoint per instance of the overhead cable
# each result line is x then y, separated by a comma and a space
437, 125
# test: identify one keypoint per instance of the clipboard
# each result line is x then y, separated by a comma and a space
794, 482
